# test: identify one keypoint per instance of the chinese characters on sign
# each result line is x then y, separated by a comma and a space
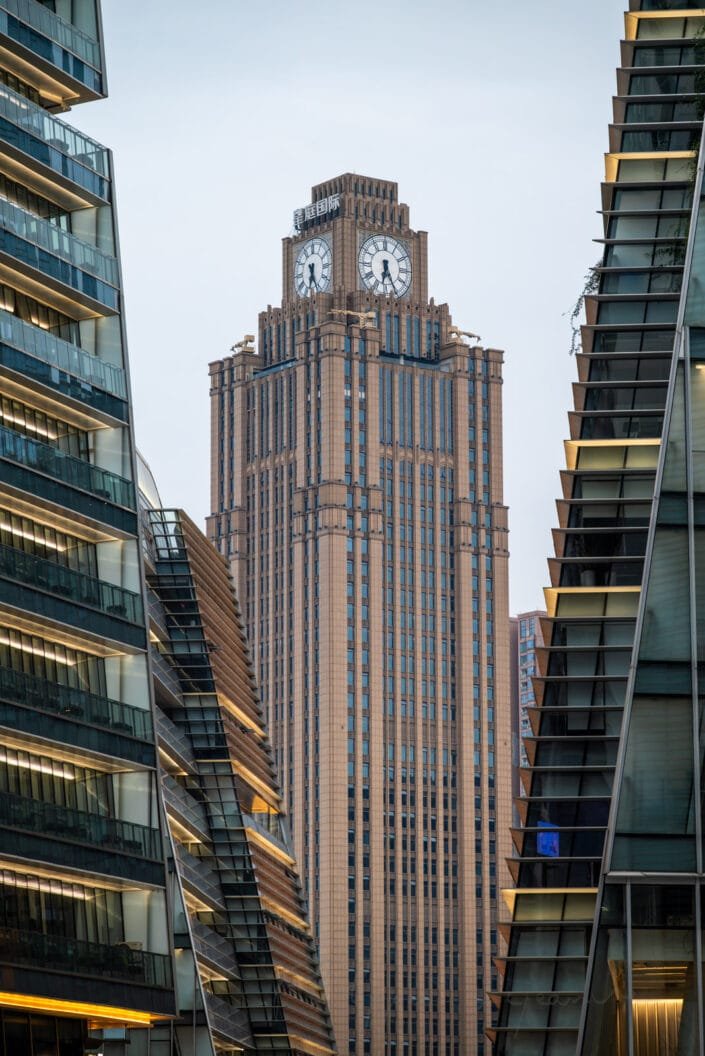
303, 217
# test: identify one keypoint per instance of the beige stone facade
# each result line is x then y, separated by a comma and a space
357, 490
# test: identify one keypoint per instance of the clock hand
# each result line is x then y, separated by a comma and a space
312, 277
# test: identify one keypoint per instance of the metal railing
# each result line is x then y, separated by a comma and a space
78, 957
67, 583
61, 354
50, 25
16, 687
52, 819
66, 468
59, 243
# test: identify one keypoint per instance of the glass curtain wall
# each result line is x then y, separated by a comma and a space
632, 365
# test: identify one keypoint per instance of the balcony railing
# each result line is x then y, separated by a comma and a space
59, 243
51, 819
198, 874
72, 471
78, 957
16, 687
228, 1020
44, 21
74, 586
62, 355
38, 122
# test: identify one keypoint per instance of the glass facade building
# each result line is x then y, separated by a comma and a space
357, 492
118, 932
605, 946
84, 936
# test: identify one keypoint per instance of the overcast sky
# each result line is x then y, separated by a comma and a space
491, 117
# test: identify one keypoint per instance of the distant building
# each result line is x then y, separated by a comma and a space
357, 491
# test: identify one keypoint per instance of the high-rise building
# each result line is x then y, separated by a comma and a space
84, 935
605, 948
246, 976
357, 491
89, 917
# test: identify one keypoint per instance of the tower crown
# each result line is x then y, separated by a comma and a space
353, 240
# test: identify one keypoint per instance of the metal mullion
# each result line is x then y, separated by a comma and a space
630, 974
692, 600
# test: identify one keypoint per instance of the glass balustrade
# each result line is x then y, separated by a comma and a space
38, 122
59, 243
72, 471
79, 957
61, 354
52, 819
17, 687
74, 586
65, 34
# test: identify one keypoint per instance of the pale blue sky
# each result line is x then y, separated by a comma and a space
493, 120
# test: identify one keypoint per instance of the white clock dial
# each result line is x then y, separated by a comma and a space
385, 265
312, 270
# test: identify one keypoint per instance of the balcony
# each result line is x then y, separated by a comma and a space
213, 949
197, 874
77, 957
66, 52
228, 1020
62, 355
75, 472
78, 705
76, 586
63, 367
166, 675
34, 134
41, 247
57, 822
187, 811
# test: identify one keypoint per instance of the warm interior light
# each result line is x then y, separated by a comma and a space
46, 886
40, 768
280, 911
182, 834
31, 535
103, 1014
31, 426
255, 836
48, 654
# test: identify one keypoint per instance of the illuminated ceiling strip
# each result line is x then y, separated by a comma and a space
279, 911
39, 768
309, 985
59, 887
268, 793
5, 416
573, 447
179, 830
81, 1010
240, 715
48, 543
49, 654
612, 160
310, 1046
256, 837
509, 894
632, 18
552, 595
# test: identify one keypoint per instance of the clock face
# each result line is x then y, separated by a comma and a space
312, 270
385, 265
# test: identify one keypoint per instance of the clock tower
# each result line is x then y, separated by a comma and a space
357, 491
